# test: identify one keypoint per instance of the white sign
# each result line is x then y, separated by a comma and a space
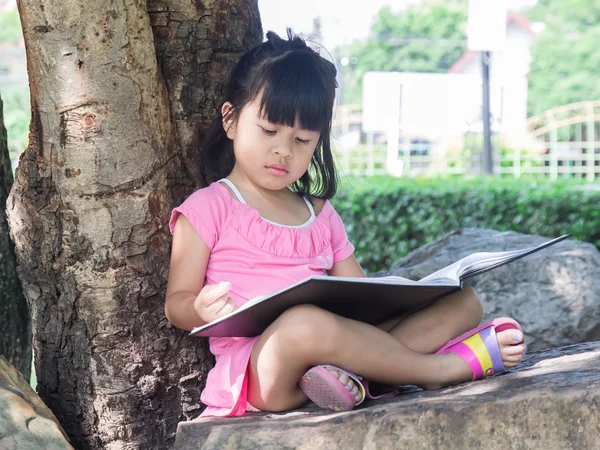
381, 101
428, 105
486, 30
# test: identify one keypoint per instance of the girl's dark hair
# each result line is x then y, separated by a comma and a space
296, 84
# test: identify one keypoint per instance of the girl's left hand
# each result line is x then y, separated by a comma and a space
213, 302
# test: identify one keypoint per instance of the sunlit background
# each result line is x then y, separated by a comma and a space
544, 89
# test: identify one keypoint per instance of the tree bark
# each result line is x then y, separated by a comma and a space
15, 338
89, 214
197, 44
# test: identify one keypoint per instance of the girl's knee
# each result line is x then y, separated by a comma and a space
306, 328
471, 304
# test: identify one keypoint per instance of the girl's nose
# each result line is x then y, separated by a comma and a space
284, 149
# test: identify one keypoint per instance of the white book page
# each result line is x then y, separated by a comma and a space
469, 264
489, 259
454, 271
447, 273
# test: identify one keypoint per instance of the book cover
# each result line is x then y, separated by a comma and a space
370, 300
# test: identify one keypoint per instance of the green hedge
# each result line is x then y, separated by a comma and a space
386, 217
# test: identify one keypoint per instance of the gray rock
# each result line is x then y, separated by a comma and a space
551, 401
26, 423
554, 294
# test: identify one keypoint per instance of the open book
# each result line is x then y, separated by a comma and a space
370, 300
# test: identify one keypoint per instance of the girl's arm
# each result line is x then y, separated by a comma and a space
349, 267
189, 259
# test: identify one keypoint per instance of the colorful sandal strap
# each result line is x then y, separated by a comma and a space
464, 351
481, 353
489, 338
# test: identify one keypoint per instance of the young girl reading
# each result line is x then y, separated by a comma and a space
264, 221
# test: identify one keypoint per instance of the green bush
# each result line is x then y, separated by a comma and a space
386, 218
16, 117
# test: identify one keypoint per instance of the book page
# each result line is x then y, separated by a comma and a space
448, 273
481, 262
456, 270
469, 264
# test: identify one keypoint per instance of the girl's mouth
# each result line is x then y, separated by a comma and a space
277, 170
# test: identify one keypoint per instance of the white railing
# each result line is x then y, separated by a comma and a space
561, 143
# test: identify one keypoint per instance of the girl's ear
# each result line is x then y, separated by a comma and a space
227, 114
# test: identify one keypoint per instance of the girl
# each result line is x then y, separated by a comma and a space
265, 222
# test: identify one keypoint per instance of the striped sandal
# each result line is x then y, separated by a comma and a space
325, 390
479, 347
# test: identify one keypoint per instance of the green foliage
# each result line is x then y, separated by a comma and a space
565, 56
430, 37
421, 38
386, 218
16, 117
10, 26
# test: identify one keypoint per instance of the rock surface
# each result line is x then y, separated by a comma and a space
550, 401
554, 294
25, 422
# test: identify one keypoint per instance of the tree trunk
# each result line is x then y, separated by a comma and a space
197, 43
15, 338
89, 211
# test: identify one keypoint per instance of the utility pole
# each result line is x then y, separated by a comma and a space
486, 33
487, 135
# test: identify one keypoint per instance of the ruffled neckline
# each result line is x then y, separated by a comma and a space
279, 239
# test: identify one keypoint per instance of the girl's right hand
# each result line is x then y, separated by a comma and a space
213, 302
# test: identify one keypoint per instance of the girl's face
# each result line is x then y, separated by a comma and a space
269, 155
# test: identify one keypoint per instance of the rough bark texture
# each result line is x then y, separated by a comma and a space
88, 214
551, 401
15, 338
197, 43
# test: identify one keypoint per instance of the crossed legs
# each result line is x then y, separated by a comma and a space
399, 351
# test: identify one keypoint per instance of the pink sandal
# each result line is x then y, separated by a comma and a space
479, 347
327, 391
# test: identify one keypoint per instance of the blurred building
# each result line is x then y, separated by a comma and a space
508, 75
434, 105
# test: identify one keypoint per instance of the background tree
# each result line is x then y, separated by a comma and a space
121, 92
565, 56
15, 339
14, 96
10, 31
431, 36
427, 37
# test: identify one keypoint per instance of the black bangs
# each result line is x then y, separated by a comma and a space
293, 89
296, 86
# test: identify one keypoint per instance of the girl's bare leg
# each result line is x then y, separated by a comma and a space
428, 329
305, 336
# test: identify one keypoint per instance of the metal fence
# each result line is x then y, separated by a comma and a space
563, 142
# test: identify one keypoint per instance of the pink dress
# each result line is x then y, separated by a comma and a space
257, 257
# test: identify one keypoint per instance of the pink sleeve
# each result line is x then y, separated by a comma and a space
206, 210
342, 248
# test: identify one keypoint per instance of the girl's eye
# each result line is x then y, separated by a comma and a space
269, 132
302, 141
